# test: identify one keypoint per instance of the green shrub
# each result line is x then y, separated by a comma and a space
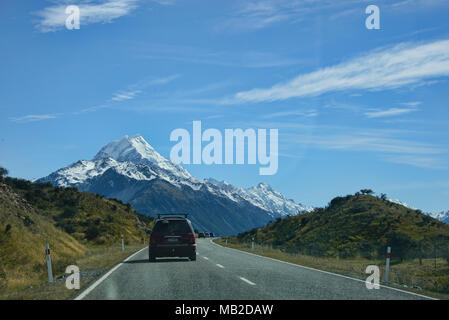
92, 232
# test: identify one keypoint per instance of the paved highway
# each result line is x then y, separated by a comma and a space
224, 273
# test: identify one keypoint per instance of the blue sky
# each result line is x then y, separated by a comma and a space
355, 108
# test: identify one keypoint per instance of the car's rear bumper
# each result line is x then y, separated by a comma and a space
162, 250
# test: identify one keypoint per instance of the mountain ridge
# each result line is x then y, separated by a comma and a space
129, 167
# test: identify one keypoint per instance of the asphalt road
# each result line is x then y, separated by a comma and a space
224, 273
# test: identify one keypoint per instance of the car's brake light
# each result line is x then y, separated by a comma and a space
152, 240
192, 239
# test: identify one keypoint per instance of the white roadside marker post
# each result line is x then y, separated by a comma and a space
50, 270
226, 241
252, 244
387, 267
123, 244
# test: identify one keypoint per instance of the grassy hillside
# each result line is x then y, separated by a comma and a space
357, 225
83, 215
23, 234
75, 224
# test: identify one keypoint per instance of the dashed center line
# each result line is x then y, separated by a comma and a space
220, 266
247, 281
206, 258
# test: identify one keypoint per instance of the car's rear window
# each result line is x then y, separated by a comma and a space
172, 226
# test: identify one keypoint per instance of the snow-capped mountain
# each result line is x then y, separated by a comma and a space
136, 150
272, 200
265, 197
397, 201
131, 170
131, 157
442, 216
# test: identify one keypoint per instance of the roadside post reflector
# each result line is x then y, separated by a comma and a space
50, 271
123, 244
252, 244
387, 267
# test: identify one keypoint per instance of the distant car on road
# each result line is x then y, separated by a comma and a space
206, 234
172, 236
211, 234
201, 235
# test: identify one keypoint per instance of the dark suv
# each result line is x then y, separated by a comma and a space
172, 236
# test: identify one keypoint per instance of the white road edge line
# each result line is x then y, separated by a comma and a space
220, 266
96, 283
247, 281
335, 274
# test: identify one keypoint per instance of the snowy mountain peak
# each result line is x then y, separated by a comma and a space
138, 151
134, 159
264, 186
216, 182
128, 148
442, 216
265, 196
397, 201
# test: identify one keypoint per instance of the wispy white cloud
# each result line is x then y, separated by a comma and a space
367, 142
160, 81
254, 15
404, 64
201, 55
53, 18
410, 4
419, 185
136, 88
165, 2
33, 118
391, 145
411, 104
289, 155
258, 14
307, 113
418, 161
394, 150
394, 146
124, 95
389, 112
91, 109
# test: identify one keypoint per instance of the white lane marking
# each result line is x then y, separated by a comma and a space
247, 281
206, 258
220, 266
96, 283
327, 272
